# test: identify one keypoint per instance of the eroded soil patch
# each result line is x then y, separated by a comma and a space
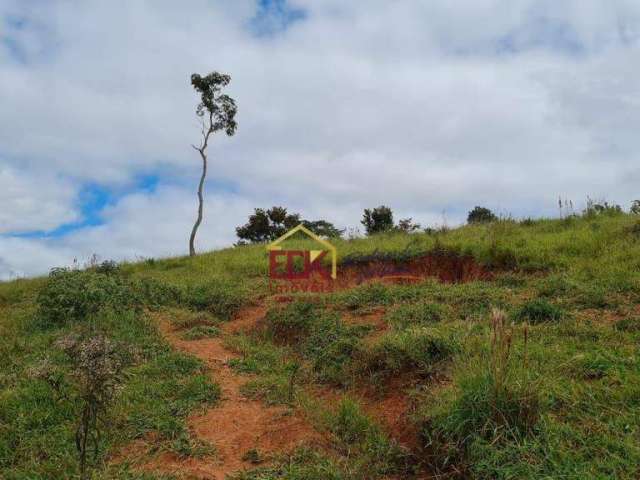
237, 424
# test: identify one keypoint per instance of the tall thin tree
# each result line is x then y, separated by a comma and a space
217, 111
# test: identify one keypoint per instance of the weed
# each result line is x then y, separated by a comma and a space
98, 365
185, 446
253, 456
200, 332
187, 319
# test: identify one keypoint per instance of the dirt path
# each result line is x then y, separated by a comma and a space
235, 425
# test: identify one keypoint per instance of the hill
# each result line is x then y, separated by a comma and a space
523, 364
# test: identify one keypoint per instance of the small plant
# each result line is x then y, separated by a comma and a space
293, 369
97, 371
185, 446
200, 332
253, 456
539, 311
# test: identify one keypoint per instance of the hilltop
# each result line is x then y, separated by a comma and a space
525, 365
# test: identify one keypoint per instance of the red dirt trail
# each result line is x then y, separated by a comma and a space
235, 424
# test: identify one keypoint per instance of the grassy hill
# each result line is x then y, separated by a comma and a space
532, 372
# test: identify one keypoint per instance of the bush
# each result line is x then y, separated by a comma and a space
481, 215
77, 295
378, 220
539, 311
97, 371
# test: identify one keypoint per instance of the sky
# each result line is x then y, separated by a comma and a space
429, 107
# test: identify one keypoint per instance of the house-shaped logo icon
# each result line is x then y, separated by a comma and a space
312, 258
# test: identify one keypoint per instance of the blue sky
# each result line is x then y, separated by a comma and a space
428, 107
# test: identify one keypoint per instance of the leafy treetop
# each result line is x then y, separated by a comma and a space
219, 107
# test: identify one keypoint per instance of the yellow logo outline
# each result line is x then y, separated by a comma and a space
301, 228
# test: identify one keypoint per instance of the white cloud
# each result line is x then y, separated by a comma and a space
424, 106
34, 201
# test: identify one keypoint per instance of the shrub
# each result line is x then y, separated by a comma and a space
77, 295
539, 311
595, 209
416, 314
97, 371
481, 215
108, 267
378, 220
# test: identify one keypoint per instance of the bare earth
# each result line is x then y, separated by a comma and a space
236, 424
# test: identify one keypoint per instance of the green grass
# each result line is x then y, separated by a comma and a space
39, 407
569, 406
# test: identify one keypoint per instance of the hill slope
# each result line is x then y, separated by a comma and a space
526, 369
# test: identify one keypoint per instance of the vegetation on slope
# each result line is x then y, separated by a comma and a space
548, 385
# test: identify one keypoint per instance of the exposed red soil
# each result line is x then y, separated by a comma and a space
447, 267
236, 424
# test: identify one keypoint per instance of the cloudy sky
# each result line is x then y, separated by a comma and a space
430, 107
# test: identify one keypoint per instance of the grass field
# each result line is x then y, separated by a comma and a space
533, 373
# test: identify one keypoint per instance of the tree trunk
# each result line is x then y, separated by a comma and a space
192, 239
